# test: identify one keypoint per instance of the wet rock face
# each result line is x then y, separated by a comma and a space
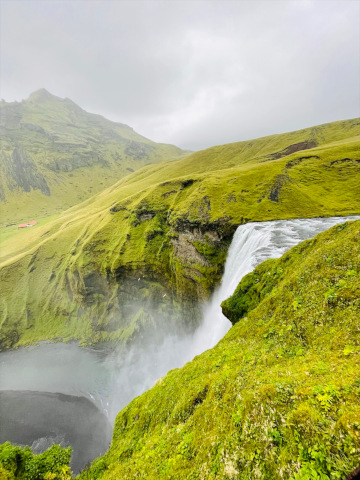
134, 296
94, 285
185, 250
277, 186
8, 339
128, 302
199, 253
220, 230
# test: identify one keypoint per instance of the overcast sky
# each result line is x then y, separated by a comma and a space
192, 73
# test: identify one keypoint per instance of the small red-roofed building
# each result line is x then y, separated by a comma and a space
30, 224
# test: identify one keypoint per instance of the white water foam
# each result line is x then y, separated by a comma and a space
252, 244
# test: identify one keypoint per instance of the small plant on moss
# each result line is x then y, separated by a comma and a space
326, 396
297, 303
330, 296
185, 447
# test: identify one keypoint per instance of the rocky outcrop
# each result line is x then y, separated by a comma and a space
296, 147
279, 182
138, 150
185, 249
21, 172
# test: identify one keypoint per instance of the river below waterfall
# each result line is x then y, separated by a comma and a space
70, 395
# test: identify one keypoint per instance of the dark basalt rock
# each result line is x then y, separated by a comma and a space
278, 184
345, 160
94, 284
117, 208
9, 340
297, 161
296, 147
187, 183
32, 127
224, 227
73, 159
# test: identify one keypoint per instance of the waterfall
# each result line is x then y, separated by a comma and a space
112, 380
252, 244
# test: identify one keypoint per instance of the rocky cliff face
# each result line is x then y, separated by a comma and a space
199, 250
22, 173
83, 296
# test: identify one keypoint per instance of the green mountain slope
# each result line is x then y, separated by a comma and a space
126, 257
54, 155
277, 398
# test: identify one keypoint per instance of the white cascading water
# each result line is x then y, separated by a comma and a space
252, 244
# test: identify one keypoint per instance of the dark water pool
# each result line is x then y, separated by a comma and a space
40, 419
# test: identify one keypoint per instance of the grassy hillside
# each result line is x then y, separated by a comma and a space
277, 398
127, 256
54, 155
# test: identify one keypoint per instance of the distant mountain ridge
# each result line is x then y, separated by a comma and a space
51, 147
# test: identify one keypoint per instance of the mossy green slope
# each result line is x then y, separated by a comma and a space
168, 225
54, 155
278, 397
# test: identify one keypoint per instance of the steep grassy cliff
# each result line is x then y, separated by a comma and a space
126, 257
54, 154
277, 398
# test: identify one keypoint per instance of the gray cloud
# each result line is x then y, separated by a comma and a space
193, 73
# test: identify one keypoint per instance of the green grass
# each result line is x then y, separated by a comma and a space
169, 224
277, 398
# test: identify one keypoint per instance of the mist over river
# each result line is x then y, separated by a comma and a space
66, 394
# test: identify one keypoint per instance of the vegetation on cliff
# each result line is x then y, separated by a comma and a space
277, 398
20, 463
54, 155
159, 236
